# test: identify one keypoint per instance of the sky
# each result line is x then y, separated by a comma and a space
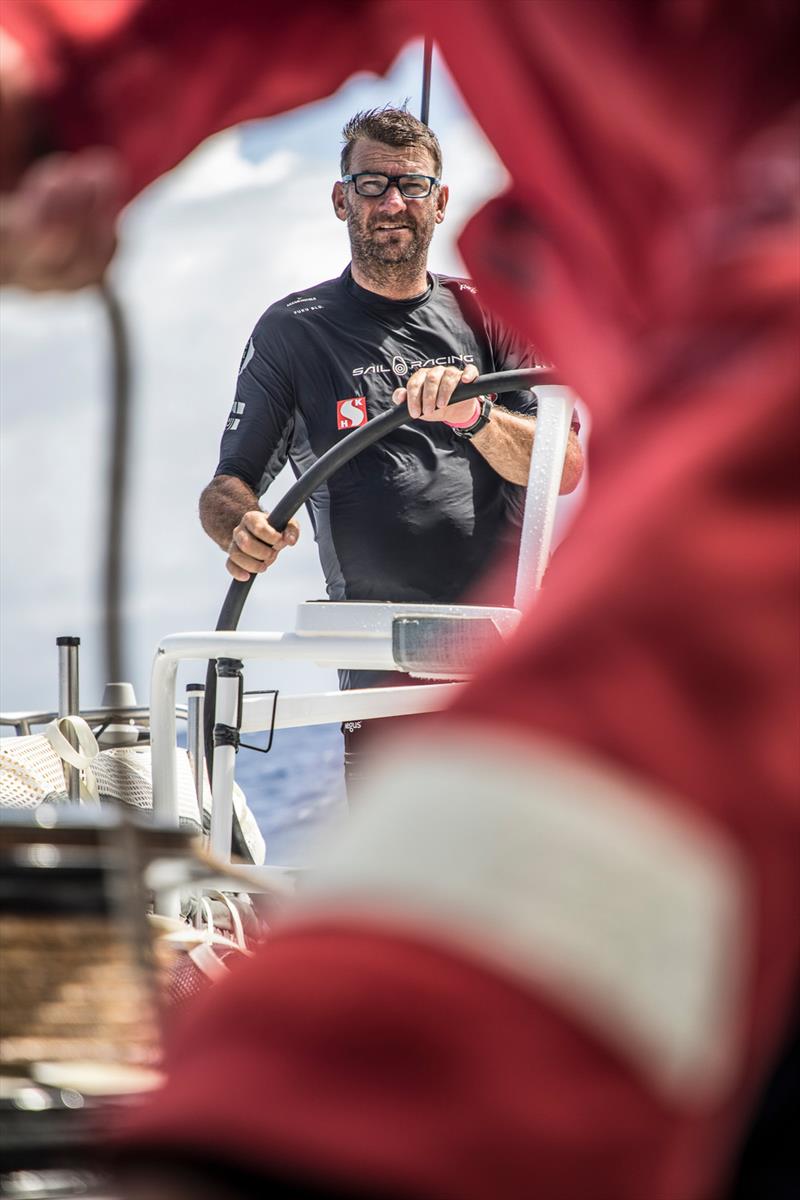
243, 221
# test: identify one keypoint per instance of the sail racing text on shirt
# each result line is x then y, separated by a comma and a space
401, 366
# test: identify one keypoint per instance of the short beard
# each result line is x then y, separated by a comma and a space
385, 263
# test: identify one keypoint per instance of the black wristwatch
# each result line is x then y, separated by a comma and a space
481, 421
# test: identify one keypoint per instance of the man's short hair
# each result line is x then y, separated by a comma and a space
392, 127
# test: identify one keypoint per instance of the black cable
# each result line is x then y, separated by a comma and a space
345, 449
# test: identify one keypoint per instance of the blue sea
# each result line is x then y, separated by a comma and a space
295, 789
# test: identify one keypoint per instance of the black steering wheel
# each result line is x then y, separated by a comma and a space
322, 469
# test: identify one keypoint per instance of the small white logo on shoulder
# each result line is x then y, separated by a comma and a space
307, 303
249, 351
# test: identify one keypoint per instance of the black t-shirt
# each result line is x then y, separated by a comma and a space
417, 516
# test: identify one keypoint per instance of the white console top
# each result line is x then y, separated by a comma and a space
357, 618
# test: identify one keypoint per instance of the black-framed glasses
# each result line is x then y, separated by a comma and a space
410, 187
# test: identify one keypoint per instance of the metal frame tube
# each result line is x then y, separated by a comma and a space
195, 703
163, 734
69, 701
427, 61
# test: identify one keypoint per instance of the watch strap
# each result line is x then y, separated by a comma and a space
480, 422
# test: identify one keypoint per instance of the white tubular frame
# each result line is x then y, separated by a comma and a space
333, 708
554, 414
224, 769
367, 653
370, 652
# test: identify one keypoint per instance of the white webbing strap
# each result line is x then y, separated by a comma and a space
236, 919
205, 960
80, 757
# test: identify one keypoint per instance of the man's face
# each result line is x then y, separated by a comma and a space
389, 229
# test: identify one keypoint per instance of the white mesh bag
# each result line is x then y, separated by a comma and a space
125, 774
30, 772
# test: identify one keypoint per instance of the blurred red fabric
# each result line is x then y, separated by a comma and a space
648, 244
153, 80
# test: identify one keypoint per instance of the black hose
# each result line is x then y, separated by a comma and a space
316, 475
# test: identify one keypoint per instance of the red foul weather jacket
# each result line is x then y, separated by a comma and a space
572, 977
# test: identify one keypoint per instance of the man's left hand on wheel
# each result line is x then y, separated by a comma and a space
429, 389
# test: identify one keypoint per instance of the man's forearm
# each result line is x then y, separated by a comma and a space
222, 506
507, 442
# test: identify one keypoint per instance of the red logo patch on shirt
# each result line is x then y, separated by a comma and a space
351, 413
